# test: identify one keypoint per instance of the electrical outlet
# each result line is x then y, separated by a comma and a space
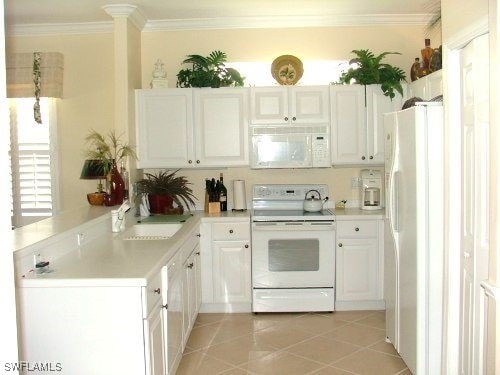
355, 182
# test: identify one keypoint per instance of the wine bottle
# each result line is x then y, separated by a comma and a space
222, 194
125, 177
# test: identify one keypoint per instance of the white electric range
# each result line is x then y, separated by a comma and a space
293, 251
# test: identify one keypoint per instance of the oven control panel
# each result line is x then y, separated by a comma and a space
292, 192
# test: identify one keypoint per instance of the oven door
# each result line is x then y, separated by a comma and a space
293, 254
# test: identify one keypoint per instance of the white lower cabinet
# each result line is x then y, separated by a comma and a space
226, 272
359, 265
154, 330
174, 315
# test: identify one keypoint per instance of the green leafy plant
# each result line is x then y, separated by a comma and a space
208, 71
371, 70
167, 183
107, 148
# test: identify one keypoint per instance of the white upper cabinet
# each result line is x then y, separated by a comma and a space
221, 127
348, 120
289, 105
164, 127
357, 123
376, 105
427, 87
184, 128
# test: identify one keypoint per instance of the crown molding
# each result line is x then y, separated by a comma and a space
270, 22
132, 12
41, 29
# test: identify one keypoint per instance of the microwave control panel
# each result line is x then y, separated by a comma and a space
320, 151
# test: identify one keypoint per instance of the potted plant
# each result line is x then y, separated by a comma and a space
371, 70
208, 71
109, 150
163, 188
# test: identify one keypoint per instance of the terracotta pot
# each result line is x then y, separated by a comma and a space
159, 203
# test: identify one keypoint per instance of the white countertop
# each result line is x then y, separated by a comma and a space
107, 260
359, 214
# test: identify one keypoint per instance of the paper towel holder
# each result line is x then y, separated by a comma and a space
239, 196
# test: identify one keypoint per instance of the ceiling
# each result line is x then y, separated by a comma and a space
25, 12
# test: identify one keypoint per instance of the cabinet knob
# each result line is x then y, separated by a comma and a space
246, 246
363, 158
190, 161
197, 253
231, 231
371, 157
286, 118
198, 235
157, 291
356, 229
165, 306
340, 244
190, 265
197, 162
294, 118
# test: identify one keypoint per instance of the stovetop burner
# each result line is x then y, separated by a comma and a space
278, 202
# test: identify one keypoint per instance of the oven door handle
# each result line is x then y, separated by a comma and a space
295, 226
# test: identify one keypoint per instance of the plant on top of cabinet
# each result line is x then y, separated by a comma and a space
208, 71
163, 188
370, 70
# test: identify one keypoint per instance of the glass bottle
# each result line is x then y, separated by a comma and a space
414, 69
222, 194
117, 184
426, 56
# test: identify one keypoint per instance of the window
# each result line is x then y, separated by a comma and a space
321, 72
33, 161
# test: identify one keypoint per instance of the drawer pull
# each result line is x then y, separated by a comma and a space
157, 291
190, 265
286, 118
356, 229
231, 231
246, 246
340, 244
363, 158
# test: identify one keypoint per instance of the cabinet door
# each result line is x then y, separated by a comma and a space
164, 128
269, 105
348, 119
309, 104
231, 271
376, 105
221, 123
153, 327
174, 313
357, 270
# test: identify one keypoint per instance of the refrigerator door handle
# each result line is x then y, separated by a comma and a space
395, 202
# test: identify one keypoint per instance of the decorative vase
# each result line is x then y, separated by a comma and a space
109, 199
414, 69
159, 204
117, 185
96, 199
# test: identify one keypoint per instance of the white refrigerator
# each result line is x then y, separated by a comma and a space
414, 234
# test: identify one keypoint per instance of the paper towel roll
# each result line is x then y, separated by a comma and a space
239, 195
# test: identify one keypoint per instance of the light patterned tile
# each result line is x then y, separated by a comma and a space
198, 363
282, 336
234, 371
405, 372
365, 361
209, 318
376, 320
281, 363
357, 334
241, 350
322, 349
385, 347
316, 323
331, 371
351, 316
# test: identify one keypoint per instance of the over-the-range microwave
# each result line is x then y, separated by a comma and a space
290, 147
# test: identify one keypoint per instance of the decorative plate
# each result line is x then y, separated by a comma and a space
287, 69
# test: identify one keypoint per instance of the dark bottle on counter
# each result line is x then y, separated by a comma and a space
222, 194
126, 181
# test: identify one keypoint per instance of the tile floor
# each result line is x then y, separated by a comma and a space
339, 343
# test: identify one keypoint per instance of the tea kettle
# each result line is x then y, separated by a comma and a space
313, 204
